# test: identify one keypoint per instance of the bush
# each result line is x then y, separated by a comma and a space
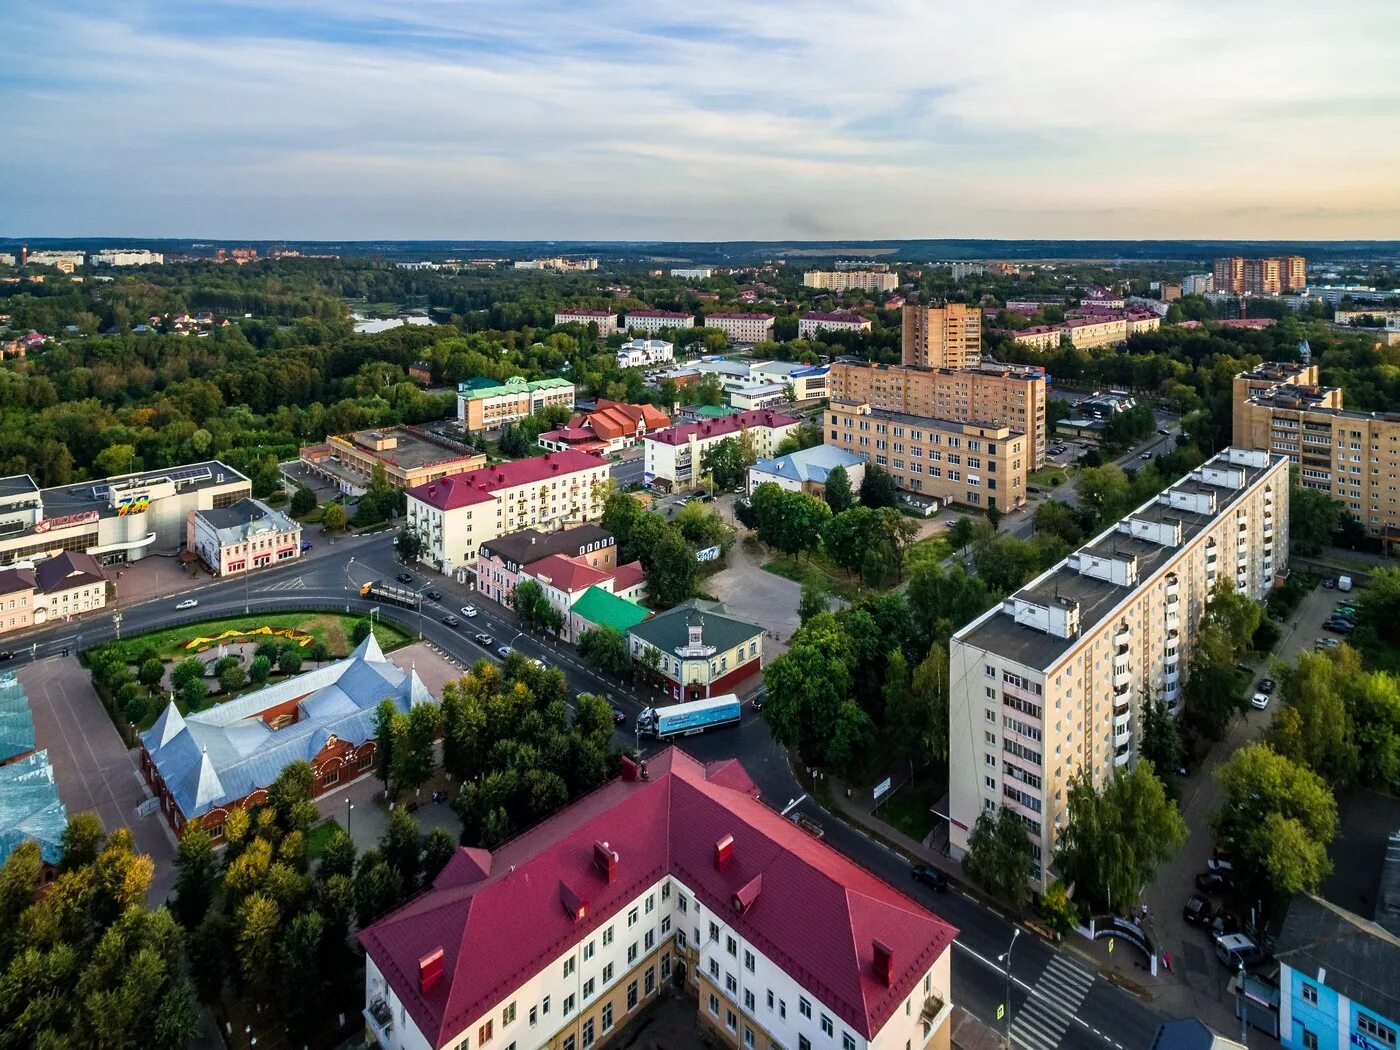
136, 709
1266, 636
303, 501
361, 631
259, 669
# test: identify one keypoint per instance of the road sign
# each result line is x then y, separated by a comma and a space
1001, 1011
882, 789
1111, 942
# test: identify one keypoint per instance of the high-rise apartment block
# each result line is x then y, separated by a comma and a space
1354, 457
990, 392
947, 336
1053, 680
1274, 275
851, 280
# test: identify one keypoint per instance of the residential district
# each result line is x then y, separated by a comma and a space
583, 651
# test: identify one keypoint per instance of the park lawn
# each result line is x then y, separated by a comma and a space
319, 837
929, 551
333, 629
1047, 477
910, 808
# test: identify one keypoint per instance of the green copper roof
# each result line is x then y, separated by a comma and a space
16, 721
606, 609
513, 385
30, 808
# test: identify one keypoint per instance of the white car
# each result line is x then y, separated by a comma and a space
1260, 700
188, 603
469, 611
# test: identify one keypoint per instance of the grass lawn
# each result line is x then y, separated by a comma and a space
814, 569
333, 629
910, 808
319, 837
1047, 477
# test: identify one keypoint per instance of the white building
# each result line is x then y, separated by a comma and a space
56, 258
639, 353
813, 323
807, 469
125, 257
1197, 283
650, 322
851, 280
245, 535
606, 320
694, 273
674, 458
742, 327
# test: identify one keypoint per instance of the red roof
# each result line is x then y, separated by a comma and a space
627, 576
669, 314
498, 920
741, 317
565, 574
578, 312
476, 486
757, 417
839, 318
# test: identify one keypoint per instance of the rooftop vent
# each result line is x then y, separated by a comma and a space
747, 894
884, 962
429, 970
574, 905
605, 860
724, 852
630, 769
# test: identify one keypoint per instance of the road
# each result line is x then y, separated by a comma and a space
1057, 1003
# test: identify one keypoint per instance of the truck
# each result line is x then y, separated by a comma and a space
1343, 583
378, 590
687, 719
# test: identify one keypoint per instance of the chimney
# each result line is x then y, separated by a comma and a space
884, 962
724, 852
630, 769
605, 860
429, 970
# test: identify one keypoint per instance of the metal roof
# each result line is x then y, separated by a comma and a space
30, 808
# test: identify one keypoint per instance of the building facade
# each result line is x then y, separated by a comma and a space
487, 407
742, 327
246, 535
673, 864
851, 280
1007, 395
674, 458
973, 464
610, 427
1053, 680
606, 320
456, 515
813, 323
639, 353
947, 336
500, 562
697, 650
1235, 275
807, 470
649, 322
409, 456
125, 257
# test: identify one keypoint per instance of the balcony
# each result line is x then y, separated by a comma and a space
1171, 676
1122, 756
1122, 737
380, 1020
1123, 677
1121, 714
1022, 693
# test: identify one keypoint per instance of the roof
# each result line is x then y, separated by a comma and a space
835, 318
565, 574
722, 427
68, 570
580, 311
530, 545
669, 630
217, 756
667, 314
30, 809
1188, 1033
12, 580
730, 316
17, 735
810, 464
1360, 958
606, 609
247, 517
477, 486
411, 448
96, 495
513, 385
666, 824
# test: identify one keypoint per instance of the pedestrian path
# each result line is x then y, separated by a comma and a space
1051, 1006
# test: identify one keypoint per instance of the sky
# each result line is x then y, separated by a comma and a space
702, 120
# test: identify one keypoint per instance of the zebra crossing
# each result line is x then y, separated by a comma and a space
296, 583
1051, 1006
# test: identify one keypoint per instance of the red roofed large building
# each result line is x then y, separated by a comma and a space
813, 323
742, 327
609, 427
562, 935
456, 515
652, 321
606, 320
674, 457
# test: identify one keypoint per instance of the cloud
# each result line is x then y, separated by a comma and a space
622, 119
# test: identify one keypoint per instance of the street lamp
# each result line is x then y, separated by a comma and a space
1005, 957
349, 809
1243, 1007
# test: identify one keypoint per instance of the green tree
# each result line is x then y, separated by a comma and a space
1058, 910
258, 925
1059, 519
232, 677
135, 709
1378, 611
994, 516
1210, 693
1161, 743
878, 488
362, 630
413, 757
838, 493
1114, 839
1373, 701
1313, 726
150, 674
401, 846
303, 501
334, 518
259, 669
193, 694
999, 856
1236, 614
813, 601
190, 669
728, 461
82, 840
319, 652
438, 849
1005, 562
672, 570
338, 857
289, 660
534, 609
386, 736
194, 880
408, 544
961, 532
1312, 518
605, 648
918, 720
1105, 491
807, 686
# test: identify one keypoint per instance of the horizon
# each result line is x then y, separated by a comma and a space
533, 122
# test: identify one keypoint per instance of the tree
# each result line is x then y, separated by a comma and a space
438, 849
702, 527
195, 871
385, 737
1237, 615
82, 840
534, 609
999, 856
193, 694
1161, 743
1104, 490
289, 660
1056, 518
1210, 693
1058, 910
878, 487
994, 516
672, 569
408, 544
150, 674
1312, 518
1115, 839
1373, 702
190, 669
232, 677
320, 652
135, 709
334, 518
1378, 611
960, 533
1276, 820
413, 758
605, 648
401, 846
1313, 726
362, 630
812, 602
917, 717
807, 686
303, 501
259, 669
838, 493
256, 938
728, 461
1005, 563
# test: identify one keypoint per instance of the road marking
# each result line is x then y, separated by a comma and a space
1044, 1005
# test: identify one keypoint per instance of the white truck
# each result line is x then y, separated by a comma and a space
1343, 583
687, 719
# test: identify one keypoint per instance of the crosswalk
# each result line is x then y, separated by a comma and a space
1051, 1006
296, 583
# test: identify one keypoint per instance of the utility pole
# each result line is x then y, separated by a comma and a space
1006, 958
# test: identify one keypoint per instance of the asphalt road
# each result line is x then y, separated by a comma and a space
1056, 1002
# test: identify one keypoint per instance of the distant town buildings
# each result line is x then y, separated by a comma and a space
606, 320
959, 270
244, 535
485, 406
1053, 679
1197, 283
649, 322
946, 336
694, 273
63, 261
556, 263
742, 327
639, 353
408, 455
674, 458
867, 280
1269, 276
814, 323
125, 257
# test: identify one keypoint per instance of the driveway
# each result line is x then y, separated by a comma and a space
94, 770
760, 597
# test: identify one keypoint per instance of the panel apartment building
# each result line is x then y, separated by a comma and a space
673, 872
973, 464
1275, 275
1009, 395
946, 336
1354, 457
1053, 679
851, 280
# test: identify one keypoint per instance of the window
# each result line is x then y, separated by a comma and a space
682, 903
1309, 1040
731, 945
847, 1043
1310, 994
748, 960
544, 1006
714, 931
649, 940
770, 998
803, 1043
568, 1005
651, 903
632, 996
508, 1015
665, 965
631, 917
588, 1033
569, 966
632, 952
607, 973
804, 1007
680, 939
607, 936
484, 1033
731, 983
748, 1037
607, 1016
714, 1004
649, 980
730, 1021
569, 1043
534, 1016
714, 969
588, 989
1377, 1031
827, 1028
782, 1008
665, 925
588, 951
749, 1003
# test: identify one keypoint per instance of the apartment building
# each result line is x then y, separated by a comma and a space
125, 257
1235, 275
674, 458
1354, 457
557, 939
1053, 680
814, 322
947, 336
501, 561
969, 463
649, 322
409, 456
1197, 284
556, 263
1039, 336
487, 407
1086, 333
1010, 395
606, 320
693, 273
742, 327
457, 514
851, 280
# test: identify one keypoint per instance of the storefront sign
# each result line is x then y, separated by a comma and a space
66, 521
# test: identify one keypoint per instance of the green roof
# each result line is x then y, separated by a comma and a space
670, 630
16, 720
514, 385
606, 609
30, 808
715, 411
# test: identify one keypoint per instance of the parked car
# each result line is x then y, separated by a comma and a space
1259, 701
619, 716
1219, 863
484, 640
188, 603
1338, 627
930, 877
1235, 950
405, 577
1197, 911
504, 651
451, 621
434, 595
1266, 685
5, 654
1163, 431
1326, 643
469, 611
1328, 583
1244, 669
306, 546
1145, 455
1213, 882
807, 824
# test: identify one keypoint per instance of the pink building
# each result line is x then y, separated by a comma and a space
500, 562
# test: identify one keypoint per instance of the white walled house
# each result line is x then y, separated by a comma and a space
674, 458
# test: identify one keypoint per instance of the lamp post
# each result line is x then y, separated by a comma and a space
1005, 957
349, 809
1243, 1008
